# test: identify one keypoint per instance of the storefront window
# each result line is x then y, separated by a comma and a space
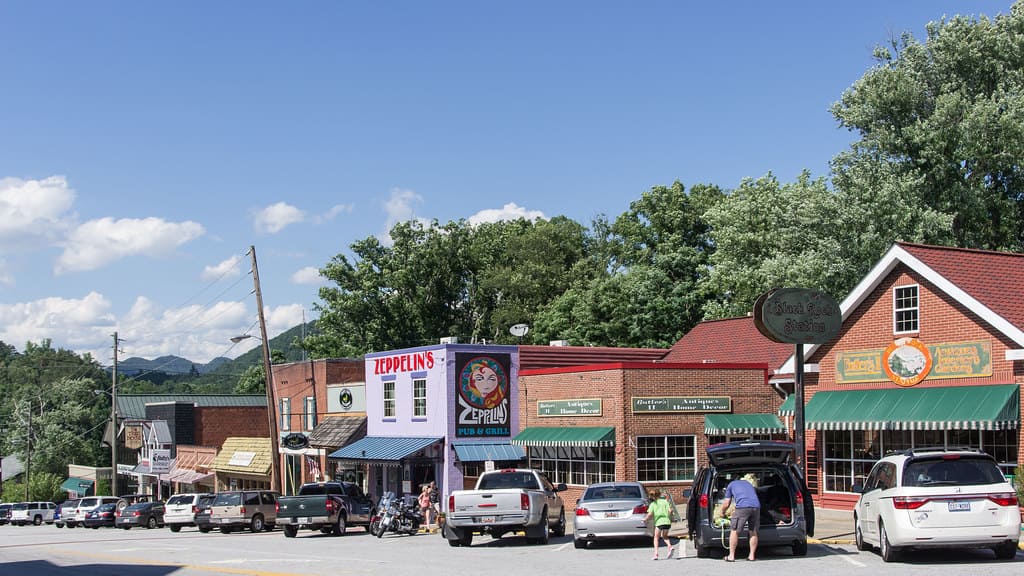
574, 465
286, 414
310, 412
850, 454
389, 399
419, 398
666, 458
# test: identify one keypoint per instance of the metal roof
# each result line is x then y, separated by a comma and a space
134, 405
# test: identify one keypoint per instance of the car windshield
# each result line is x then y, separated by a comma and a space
20, 506
181, 499
613, 493
228, 499
951, 471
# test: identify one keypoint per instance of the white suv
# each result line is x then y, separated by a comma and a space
937, 498
36, 513
180, 510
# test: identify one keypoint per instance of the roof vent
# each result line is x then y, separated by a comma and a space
450, 340
558, 343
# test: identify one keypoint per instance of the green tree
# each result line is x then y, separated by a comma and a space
254, 380
944, 122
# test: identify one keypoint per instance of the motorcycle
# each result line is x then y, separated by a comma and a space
398, 515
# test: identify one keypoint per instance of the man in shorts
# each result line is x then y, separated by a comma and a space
748, 511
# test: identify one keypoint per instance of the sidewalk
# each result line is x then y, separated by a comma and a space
830, 527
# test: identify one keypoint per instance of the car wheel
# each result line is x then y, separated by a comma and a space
126, 527
290, 531
175, 528
559, 530
151, 523
256, 525
578, 544
545, 533
800, 548
858, 536
340, 526
225, 530
37, 520
467, 538
886, 549
204, 530
1006, 551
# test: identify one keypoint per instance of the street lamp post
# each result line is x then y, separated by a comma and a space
271, 406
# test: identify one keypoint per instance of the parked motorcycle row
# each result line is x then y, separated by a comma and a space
397, 515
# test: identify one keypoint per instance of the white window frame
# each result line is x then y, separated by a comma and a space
388, 389
310, 409
419, 398
897, 310
664, 458
286, 414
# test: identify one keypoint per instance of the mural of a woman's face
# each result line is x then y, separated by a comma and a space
485, 380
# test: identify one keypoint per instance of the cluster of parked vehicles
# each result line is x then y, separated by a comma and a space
913, 499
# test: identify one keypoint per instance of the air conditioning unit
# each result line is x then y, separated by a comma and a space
450, 340
558, 343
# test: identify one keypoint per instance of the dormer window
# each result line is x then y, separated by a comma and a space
906, 310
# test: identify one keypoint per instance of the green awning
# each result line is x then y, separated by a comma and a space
945, 408
77, 485
597, 436
788, 407
719, 424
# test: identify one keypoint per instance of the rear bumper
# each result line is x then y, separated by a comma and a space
304, 520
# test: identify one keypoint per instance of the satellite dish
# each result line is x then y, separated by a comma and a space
519, 330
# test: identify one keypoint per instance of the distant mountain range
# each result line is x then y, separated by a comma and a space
175, 365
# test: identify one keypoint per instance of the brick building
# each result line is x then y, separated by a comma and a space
931, 353
644, 421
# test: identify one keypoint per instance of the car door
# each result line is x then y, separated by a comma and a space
362, 506
867, 505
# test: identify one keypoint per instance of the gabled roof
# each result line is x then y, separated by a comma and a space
532, 357
985, 282
728, 340
244, 454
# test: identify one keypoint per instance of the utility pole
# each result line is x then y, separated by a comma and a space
275, 463
28, 453
113, 424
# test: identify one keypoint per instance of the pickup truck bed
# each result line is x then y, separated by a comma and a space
511, 500
330, 507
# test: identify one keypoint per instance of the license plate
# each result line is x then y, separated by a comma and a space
304, 520
225, 520
956, 506
611, 514
487, 519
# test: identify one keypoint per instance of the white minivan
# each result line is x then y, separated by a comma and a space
180, 510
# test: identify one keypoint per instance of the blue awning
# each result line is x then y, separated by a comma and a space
481, 452
386, 448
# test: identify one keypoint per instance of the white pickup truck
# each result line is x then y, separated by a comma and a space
510, 500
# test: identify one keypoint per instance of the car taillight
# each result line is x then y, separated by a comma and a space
1004, 498
117, 514
136, 513
582, 512
329, 505
641, 509
524, 501
277, 507
703, 500
195, 510
451, 503
908, 502
241, 510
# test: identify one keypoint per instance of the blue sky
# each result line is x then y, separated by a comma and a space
144, 146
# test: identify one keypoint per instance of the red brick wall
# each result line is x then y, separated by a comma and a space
746, 386
215, 423
298, 380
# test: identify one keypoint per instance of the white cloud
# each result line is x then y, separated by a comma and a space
307, 275
100, 242
399, 208
5, 277
196, 332
277, 217
333, 213
226, 269
70, 323
33, 209
509, 211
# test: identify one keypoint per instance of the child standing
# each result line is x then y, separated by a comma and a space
660, 511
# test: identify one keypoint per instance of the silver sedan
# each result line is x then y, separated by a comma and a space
611, 510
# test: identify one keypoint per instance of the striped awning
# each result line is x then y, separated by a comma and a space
383, 448
946, 408
788, 407
596, 436
720, 424
482, 452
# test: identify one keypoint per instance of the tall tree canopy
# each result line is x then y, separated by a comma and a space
947, 117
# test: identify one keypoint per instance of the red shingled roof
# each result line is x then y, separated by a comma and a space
729, 340
995, 279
